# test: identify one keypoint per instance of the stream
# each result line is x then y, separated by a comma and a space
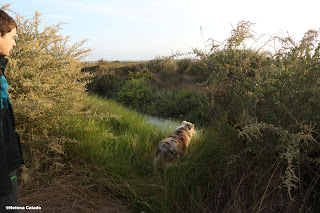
163, 124
166, 124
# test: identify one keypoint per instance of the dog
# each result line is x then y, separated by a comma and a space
173, 146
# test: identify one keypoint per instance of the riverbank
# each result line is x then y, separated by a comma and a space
105, 164
107, 154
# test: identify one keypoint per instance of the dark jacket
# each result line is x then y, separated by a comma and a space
10, 147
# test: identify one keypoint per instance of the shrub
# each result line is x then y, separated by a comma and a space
45, 75
46, 86
271, 99
162, 65
179, 104
183, 64
106, 85
197, 68
135, 93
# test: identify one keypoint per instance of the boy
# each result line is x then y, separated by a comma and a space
10, 147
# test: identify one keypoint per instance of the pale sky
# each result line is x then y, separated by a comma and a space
144, 29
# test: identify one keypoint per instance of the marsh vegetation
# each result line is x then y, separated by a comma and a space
88, 147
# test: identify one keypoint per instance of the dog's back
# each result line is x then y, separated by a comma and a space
174, 145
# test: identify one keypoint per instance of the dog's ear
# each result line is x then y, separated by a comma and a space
186, 123
189, 126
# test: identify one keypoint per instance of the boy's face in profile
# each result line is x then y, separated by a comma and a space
7, 42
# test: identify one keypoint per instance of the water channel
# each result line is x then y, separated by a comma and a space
166, 124
163, 124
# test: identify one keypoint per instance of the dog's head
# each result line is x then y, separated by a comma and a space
189, 127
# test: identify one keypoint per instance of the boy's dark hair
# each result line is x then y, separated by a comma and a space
7, 23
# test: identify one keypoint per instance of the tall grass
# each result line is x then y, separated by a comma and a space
118, 145
106, 128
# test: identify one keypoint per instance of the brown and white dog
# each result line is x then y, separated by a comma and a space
174, 145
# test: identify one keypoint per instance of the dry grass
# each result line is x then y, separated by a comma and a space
68, 192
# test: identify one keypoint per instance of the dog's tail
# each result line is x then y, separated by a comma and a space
162, 159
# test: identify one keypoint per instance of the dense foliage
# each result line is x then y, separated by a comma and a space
265, 103
258, 149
